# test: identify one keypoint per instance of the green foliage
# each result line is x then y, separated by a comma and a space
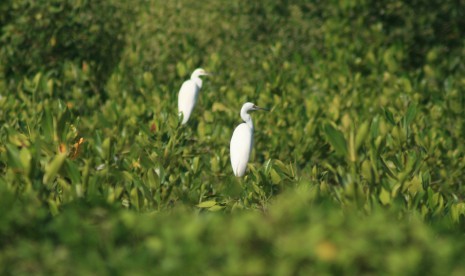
52, 36
301, 233
357, 169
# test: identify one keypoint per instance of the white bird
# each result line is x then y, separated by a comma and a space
189, 93
242, 140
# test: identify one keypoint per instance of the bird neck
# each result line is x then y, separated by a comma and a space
197, 80
247, 119
250, 124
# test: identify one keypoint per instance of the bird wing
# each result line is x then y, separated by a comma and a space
187, 98
240, 148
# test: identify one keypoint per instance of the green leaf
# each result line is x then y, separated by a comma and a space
72, 171
106, 148
195, 164
267, 166
152, 179
387, 169
280, 165
181, 69
374, 129
36, 80
336, 139
206, 204
457, 210
53, 207
52, 168
275, 177
389, 117
134, 196
384, 197
215, 208
25, 157
411, 113
362, 133
214, 164
47, 125
14, 158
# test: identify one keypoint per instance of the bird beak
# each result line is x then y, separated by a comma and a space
261, 108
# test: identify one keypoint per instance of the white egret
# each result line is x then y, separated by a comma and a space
242, 140
189, 93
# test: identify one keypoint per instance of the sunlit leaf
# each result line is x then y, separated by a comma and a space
206, 204
52, 168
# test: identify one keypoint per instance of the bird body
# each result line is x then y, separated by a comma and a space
189, 93
242, 141
241, 147
187, 98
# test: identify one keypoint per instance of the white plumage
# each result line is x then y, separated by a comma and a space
241, 147
242, 141
189, 93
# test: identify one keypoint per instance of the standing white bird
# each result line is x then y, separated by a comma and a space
189, 93
242, 141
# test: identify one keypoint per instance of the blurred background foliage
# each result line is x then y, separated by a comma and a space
51, 36
358, 168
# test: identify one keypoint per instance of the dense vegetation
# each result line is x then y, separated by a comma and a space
359, 167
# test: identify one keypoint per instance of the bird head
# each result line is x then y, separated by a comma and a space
199, 72
251, 107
